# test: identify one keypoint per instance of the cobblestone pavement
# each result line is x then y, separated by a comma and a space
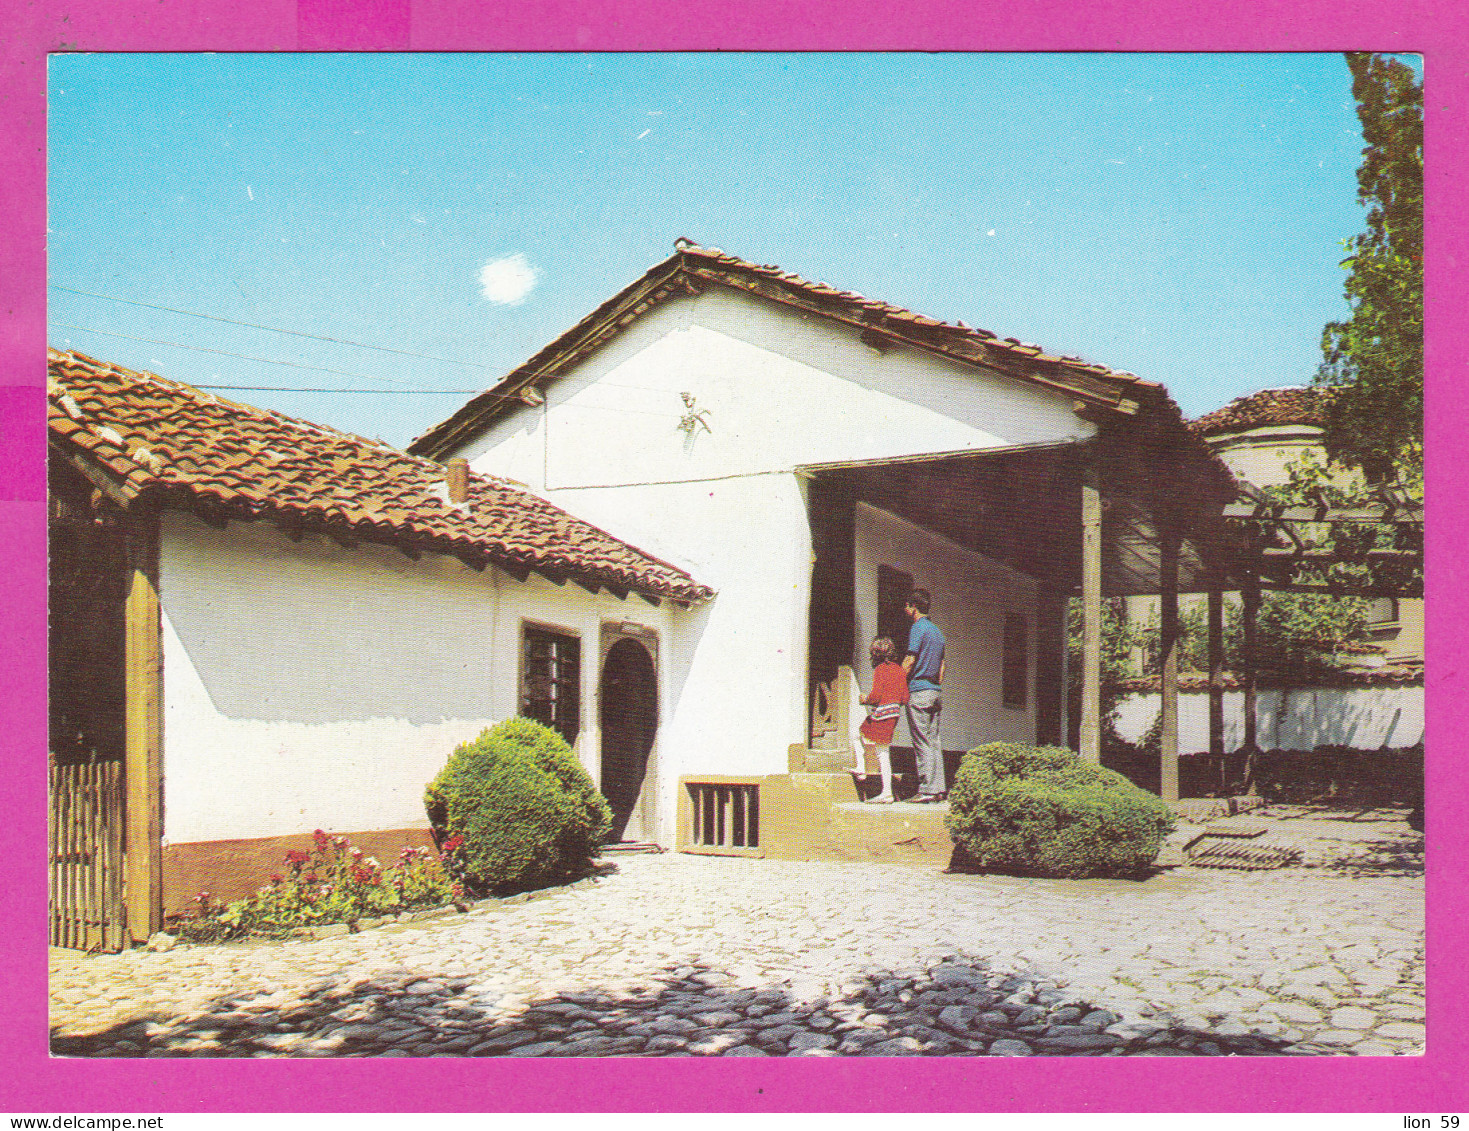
677, 955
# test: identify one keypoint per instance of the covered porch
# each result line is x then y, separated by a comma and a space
1134, 510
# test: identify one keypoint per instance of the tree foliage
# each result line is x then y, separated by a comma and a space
1375, 357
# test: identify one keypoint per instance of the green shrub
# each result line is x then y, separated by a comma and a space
1042, 811
526, 810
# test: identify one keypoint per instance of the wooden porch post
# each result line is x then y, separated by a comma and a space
1250, 595
1216, 678
143, 741
1091, 600
1168, 644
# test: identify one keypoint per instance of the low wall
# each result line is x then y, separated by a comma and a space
1357, 718
1366, 777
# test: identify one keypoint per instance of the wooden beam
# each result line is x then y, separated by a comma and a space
1216, 671
1335, 556
1343, 590
1168, 644
94, 475
143, 732
1250, 594
1268, 512
1091, 600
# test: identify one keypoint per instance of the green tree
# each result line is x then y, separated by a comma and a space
1375, 358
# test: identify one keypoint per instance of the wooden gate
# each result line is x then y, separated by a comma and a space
84, 835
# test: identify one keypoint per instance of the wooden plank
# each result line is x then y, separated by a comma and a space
1406, 516
1335, 556
1091, 600
1250, 595
1168, 642
143, 743
1344, 590
1216, 673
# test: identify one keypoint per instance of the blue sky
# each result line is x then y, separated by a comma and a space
1177, 216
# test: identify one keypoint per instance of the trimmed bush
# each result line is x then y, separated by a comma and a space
1042, 811
526, 811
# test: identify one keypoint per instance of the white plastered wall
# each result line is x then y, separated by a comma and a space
1361, 718
778, 390
307, 685
972, 595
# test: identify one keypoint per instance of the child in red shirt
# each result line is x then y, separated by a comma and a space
885, 704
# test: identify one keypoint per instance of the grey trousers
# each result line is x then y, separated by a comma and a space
923, 724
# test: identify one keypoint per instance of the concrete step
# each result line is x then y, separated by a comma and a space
818, 760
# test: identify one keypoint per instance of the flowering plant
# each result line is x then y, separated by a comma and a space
332, 883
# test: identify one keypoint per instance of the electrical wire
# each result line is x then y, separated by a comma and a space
258, 326
368, 392
227, 353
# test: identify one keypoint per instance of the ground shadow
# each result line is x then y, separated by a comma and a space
952, 1008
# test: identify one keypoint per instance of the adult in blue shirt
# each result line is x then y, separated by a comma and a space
924, 664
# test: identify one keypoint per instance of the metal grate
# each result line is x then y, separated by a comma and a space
725, 818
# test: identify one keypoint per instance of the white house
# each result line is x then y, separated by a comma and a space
812, 455
260, 627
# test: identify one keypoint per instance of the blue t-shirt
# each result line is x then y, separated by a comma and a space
926, 643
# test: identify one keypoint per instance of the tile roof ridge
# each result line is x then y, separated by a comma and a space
974, 333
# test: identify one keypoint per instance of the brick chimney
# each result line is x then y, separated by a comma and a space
457, 480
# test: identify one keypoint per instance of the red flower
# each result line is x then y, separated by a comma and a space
320, 838
454, 844
276, 878
296, 856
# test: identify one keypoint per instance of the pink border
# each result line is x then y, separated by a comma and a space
34, 1083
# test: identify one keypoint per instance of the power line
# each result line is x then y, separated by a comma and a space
258, 326
369, 392
339, 373
227, 353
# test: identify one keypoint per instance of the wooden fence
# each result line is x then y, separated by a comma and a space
84, 834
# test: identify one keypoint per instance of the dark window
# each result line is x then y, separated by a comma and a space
893, 587
550, 681
1016, 662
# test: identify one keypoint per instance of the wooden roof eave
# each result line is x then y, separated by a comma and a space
161, 496
992, 354
105, 481
690, 273
584, 338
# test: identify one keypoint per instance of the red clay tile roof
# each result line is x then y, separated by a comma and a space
693, 268
144, 436
1267, 407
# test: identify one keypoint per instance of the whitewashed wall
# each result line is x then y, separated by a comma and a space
307, 685
1263, 455
780, 390
972, 595
1363, 718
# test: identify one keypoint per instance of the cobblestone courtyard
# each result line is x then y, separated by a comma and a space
675, 955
